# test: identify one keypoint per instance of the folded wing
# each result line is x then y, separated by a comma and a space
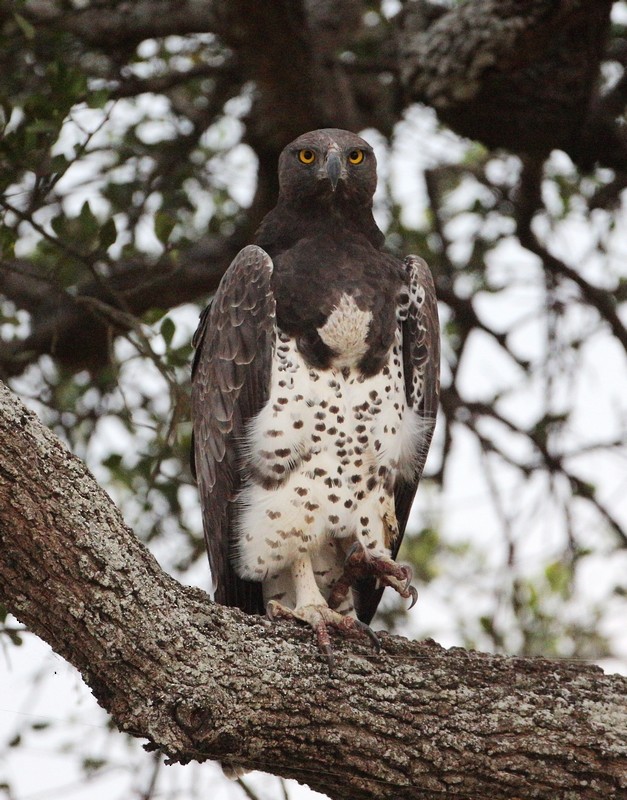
230, 384
421, 364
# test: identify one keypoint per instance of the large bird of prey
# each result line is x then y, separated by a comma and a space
314, 396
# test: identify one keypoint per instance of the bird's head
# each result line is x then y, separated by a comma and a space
329, 163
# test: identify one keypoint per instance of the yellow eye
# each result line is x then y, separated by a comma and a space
356, 156
306, 156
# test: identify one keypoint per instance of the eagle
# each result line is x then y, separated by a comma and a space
314, 396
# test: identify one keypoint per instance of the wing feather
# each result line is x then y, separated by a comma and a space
230, 383
421, 356
421, 362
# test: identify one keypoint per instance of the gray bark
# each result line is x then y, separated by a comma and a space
517, 74
200, 681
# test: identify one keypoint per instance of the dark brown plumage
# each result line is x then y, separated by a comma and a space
315, 388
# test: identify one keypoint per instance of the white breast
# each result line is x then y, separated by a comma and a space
345, 332
325, 452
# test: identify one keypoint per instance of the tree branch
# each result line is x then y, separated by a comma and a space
601, 299
202, 681
120, 23
79, 338
523, 76
297, 88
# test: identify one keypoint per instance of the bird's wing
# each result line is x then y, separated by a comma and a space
421, 357
230, 384
421, 363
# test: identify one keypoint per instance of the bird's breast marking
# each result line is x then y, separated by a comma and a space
345, 332
326, 460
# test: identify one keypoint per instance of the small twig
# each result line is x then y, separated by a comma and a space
152, 784
247, 790
596, 297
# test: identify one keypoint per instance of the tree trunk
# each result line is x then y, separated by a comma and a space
201, 681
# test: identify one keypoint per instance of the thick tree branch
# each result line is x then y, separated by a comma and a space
519, 75
201, 681
73, 331
116, 23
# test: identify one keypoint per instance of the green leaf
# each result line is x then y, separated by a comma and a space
16, 638
88, 221
108, 234
91, 764
167, 330
558, 574
487, 625
112, 461
152, 315
69, 271
7, 242
58, 225
25, 26
98, 99
164, 225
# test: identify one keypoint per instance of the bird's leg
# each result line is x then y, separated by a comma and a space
311, 608
360, 563
341, 587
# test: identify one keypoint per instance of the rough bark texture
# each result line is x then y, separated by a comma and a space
201, 681
520, 75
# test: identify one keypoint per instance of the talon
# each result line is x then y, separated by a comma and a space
321, 618
370, 634
353, 550
327, 651
271, 611
384, 570
319, 626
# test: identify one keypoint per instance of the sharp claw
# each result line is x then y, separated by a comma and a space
370, 634
328, 654
324, 645
352, 550
321, 619
414, 597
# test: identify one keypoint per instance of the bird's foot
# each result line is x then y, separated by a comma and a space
320, 618
360, 563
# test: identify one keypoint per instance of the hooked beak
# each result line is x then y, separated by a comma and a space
334, 169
